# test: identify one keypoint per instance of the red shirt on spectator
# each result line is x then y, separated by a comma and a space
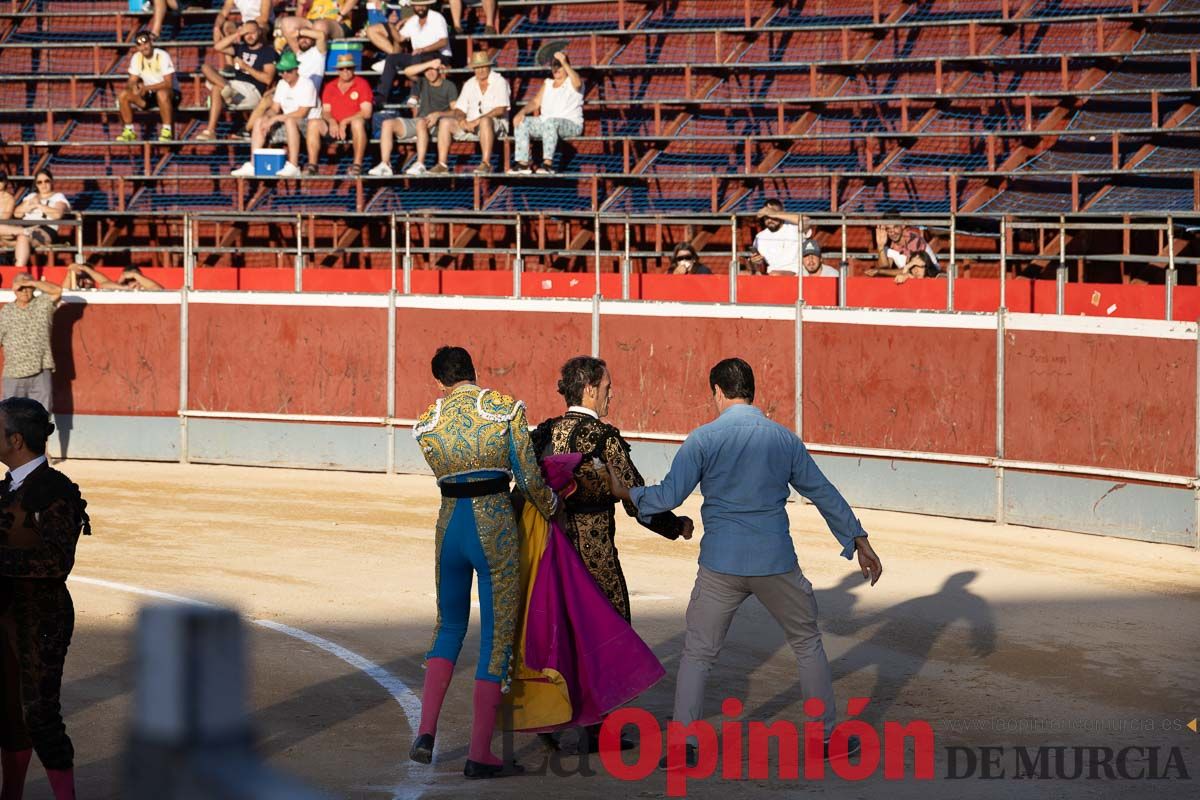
348, 103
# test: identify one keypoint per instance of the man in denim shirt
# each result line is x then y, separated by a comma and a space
744, 464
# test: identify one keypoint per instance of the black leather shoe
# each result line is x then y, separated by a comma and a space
422, 749
853, 745
691, 757
476, 770
593, 744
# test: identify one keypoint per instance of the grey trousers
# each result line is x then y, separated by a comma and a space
36, 387
716, 597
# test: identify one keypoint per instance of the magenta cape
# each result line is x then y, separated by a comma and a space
576, 659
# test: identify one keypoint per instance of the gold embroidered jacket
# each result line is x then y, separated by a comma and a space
590, 512
474, 430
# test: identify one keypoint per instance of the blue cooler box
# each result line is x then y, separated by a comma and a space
375, 16
138, 6
269, 161
338, 48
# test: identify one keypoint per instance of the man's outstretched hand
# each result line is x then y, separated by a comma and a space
686, 527
870, 564
616, 485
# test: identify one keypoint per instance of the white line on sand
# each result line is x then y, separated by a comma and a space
399, 691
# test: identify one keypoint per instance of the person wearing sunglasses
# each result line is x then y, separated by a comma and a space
345, 112
153, 84
43, 203
287, 121
684, 261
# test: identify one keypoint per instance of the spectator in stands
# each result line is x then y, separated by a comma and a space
425, 33
8, 200
83, 277
777, 247
435, 99
813, 265
491, 16
257, 11
43, 203
481, 112
555, 111
310, 47
152, 84
160, 14
345, 112
684, 261
260, 11
332, 17
294, 100
310, 44
918, 265
25, 337
895, 245
254, 66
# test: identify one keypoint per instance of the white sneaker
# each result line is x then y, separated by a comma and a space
416, 169
288, 170
380, 170
244, 171
378, 66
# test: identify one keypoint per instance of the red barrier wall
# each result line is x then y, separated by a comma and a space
288, 359
1121, 402
970, 294
519, 353
660, 368
907, 388
1124, 399
118, 360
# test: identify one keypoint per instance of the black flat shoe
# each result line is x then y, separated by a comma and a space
853, 745
422, 749
476, 770
691, 758
593, 744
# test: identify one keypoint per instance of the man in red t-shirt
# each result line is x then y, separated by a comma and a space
345, 112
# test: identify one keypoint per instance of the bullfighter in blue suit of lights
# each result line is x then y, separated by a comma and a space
474, 439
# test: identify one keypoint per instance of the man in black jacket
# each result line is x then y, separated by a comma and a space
41, 517
590, 513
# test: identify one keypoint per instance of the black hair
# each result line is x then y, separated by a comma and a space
684, 247
44, 171
577, 374
29, 418
452, 365
773, 203
931, 270
735, 378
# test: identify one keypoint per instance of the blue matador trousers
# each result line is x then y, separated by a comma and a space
477, 535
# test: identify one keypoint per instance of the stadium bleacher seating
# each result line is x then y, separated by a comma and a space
693, 108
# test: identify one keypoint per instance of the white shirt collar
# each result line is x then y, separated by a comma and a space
22, 472
583, 410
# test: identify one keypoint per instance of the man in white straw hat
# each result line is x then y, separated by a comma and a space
481, 112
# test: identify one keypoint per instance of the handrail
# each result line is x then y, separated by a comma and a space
739, 30
885, 134
491, 217
775, 104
